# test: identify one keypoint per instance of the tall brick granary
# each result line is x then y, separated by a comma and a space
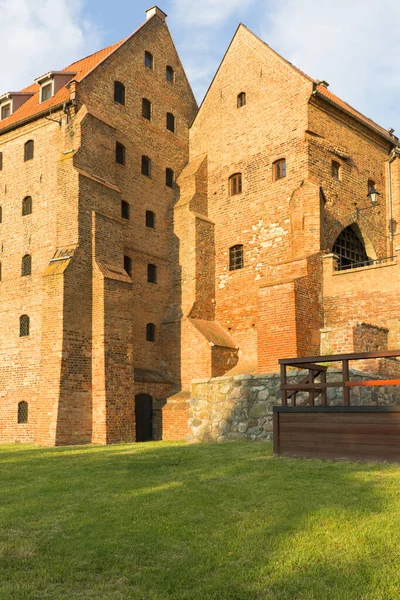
146, 242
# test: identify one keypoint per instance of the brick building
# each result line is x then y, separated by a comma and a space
146, 243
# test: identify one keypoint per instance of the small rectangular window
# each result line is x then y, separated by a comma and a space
170, 122
236, 257
148, 60
152, 273
146, 109
371, 184
146, 166
29, 150
169, 177
45, 92
125, 209
279, 169
119, 153
5, 111
1, 161
128, 265
150, 219
169, 74
335, 170
119, 92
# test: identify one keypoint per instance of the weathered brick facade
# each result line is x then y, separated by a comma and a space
86, 357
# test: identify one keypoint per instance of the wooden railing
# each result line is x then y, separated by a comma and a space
317, 371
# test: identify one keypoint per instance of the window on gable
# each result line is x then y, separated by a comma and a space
119, 153
279, 169
27, 206
46, 92
235, 184
22, 412
152, 273
169, 177
146, 109
146, 166
150, 332
128, 265
28, 150
119, 92
169, 74
24, 324
148, 60
26, 265
335, 169
125, 209
236, 257
150, 219
170, 122
5, 111
241, 99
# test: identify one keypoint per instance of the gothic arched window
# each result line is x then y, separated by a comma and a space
350, 249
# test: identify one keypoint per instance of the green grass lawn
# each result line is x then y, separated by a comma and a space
170, 521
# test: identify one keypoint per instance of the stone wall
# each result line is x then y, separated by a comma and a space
240, 407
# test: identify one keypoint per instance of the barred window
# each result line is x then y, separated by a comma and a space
150, 332
235, 184
22, 412
335, 169
119, 92
146, 109
170, 122
128, 265
27, 206
119, 153
125, 209
26, 266
28, 150
350, 249
150, 219
146, 166
169, 177
279, 169
24, 324
148, 60
169, 74
241, 99
152, 273
236, 257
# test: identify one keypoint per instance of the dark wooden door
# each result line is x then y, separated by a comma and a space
144, 417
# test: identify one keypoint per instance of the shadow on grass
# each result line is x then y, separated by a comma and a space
171, 521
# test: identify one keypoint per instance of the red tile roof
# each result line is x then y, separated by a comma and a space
33, 107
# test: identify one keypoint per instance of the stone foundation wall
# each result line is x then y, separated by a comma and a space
240, 407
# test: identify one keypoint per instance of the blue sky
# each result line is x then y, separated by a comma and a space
352, 44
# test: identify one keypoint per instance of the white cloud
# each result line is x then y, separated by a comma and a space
39, 36
353, 44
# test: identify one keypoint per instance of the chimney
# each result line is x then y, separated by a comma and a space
150, 12
322, 82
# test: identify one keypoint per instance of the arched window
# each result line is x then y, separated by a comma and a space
150, 219
235, 184
28, 150
146, 109
24, 324
150, 332
26, 266
169, 74
279, 169
152, 273
125, 209
27, 206
350, 249
119, 153
146, 166
148, 60
236, 257
335, 169
1, 161
241, 99
119, 92
128, 265
170, 122
22, 412
169, 177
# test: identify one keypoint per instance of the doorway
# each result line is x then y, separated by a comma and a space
144, 417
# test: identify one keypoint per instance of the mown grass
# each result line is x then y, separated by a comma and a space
170, 521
